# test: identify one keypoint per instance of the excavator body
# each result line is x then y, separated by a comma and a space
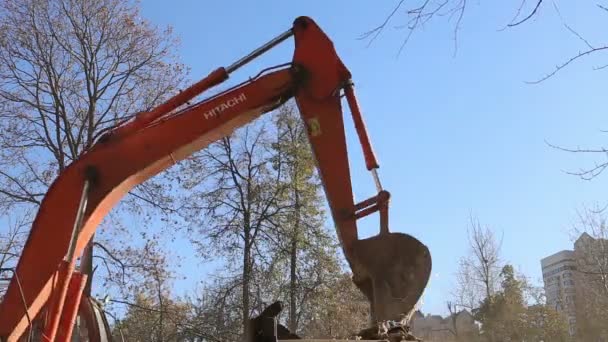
391, 269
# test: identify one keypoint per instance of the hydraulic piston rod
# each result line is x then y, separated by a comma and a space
259, 51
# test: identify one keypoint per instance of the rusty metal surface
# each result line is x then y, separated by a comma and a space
396, 268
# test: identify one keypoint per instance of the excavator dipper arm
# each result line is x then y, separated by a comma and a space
133, 152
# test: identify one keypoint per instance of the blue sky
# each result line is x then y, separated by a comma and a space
454, 134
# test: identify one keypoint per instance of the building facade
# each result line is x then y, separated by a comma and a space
560, 286
575, 282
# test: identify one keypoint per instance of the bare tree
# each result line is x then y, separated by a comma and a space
588, 173
146, 320
592, 248
70, 69
478, 275
591, 254
415, 15
453, 310
301, 236
144, 279
11, 239
213, 308
588, 47
234, 200
339, 310
12, 236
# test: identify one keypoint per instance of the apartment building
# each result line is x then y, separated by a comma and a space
570, 276
559, 280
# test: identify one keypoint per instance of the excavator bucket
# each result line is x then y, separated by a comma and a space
394, 269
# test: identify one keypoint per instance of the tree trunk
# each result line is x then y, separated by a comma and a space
293, 323
161, 311
293, 287
246, 276
488, 292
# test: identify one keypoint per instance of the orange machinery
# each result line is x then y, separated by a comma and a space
391, 269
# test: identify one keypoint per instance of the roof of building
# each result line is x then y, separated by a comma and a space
560, 256
419, 315
584, 238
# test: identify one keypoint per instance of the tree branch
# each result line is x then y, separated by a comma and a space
538, 3
588, 174
568, 62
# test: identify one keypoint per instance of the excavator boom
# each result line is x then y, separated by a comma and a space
392, 269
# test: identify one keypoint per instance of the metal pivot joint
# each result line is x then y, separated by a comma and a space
373, 204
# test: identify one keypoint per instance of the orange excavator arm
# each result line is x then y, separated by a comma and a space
131, 153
